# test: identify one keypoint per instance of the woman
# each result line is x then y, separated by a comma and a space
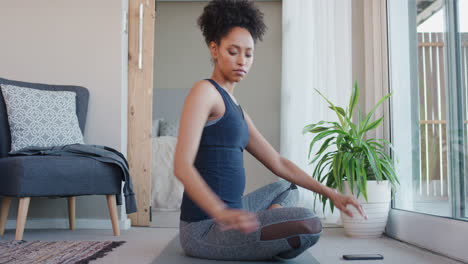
216, 221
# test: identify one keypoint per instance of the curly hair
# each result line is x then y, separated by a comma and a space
220, 16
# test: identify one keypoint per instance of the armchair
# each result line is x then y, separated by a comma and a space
24, 177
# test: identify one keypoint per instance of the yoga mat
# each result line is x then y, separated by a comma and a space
173, 254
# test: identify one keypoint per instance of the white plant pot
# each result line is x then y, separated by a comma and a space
376, 208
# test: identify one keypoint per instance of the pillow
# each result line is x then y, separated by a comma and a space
41, 118
167, 189
168, 128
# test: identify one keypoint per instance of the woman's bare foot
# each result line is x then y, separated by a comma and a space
273, 206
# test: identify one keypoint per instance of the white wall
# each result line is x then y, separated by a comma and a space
182, 58
76, 43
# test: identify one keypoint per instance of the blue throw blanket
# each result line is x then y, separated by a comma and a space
99, 153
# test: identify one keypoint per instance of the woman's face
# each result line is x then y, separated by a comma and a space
234, 56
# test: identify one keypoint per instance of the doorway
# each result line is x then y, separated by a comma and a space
181, 58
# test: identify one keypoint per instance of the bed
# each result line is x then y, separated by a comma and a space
167, 107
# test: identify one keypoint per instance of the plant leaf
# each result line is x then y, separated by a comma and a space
350, 172
325, 145
307, 128
373, 125
363, 188
337, 170
318, 129
353, 99
339, 110
321, 165
373, 161
357, 170
322, 135
359, 120
392, 177
333, 107
370, 142
369, 115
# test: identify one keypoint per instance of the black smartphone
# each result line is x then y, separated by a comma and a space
362, 256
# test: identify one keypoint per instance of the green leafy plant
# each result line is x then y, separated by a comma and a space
345, 154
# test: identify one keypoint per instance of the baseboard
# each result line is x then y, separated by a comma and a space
62, 223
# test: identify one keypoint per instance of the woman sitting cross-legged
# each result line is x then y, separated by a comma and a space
217, 221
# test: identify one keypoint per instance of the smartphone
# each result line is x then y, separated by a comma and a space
362, 256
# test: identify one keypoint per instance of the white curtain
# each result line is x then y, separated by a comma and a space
316, 54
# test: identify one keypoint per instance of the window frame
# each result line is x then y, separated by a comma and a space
438, 233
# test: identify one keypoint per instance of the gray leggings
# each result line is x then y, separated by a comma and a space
204, 239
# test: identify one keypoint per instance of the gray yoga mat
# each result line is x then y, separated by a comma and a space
173, 254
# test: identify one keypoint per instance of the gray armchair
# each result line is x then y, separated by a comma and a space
24, 177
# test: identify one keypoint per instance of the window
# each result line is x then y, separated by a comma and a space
428, 46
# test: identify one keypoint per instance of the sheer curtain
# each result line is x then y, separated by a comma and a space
316, 54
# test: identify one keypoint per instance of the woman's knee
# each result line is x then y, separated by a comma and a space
286, 229
301, 213
311, 225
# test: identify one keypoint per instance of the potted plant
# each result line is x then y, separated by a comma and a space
355, 165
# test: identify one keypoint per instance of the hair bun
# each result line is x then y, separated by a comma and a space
220, 16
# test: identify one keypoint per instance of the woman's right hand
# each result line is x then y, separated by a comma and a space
241, 220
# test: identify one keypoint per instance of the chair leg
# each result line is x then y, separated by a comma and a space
71, 212
113, 213
22, 214
6, 202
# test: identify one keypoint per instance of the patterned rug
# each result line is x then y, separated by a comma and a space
51, 252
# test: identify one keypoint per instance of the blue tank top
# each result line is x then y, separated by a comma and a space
220, 159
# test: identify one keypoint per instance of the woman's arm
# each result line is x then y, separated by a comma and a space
197, 107
259, 147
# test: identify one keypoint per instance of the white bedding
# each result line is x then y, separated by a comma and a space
167, 190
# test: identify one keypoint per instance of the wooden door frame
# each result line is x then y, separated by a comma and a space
140, 102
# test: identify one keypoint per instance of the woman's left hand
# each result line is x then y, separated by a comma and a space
341, 201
